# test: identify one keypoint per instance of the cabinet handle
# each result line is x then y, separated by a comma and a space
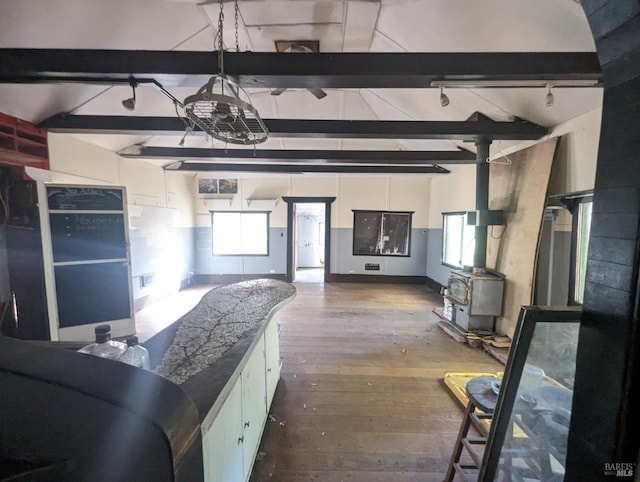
268, 370
247, 424
241, 440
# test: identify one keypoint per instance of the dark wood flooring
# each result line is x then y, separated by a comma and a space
360, 397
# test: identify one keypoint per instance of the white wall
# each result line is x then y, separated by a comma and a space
69, 155
160, 204
452, 192
375, 192
73, 160
575, 164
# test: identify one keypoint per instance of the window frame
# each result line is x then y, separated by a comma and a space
461, 266
409, 216
268, 228
575, 206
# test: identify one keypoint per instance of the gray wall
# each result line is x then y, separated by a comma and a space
344, 262
435, 269
206, 263
558, 289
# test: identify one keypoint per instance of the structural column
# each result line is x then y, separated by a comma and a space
482, 202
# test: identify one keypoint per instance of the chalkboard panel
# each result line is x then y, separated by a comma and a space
92, 293
87, 236
85, 198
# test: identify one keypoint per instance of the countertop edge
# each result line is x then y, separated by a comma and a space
208, 419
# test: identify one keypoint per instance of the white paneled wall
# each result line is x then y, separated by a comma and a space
71, 156
374, 192
454, 192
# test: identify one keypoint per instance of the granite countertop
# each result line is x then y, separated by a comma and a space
202, 350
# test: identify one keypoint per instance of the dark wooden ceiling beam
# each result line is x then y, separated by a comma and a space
303, 168
276, 70
276, 156
478, 127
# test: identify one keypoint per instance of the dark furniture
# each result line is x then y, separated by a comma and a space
72, 417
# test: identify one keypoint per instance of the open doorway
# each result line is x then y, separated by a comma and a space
309, 242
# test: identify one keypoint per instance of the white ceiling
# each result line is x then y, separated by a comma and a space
340, 26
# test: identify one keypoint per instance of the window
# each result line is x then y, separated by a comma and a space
458, 240
582, 228
381, 233
240, 233
580, 205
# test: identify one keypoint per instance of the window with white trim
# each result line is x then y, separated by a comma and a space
582, 227
458, 240
240, 233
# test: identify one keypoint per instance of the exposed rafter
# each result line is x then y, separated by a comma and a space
275, 156
477, 127
304, 168
276, 70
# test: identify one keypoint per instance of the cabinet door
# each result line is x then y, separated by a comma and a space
253, 404
222, 443
272, 357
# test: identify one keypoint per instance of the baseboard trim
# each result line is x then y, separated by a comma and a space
140, 303
434, 285
205, 279
367, 278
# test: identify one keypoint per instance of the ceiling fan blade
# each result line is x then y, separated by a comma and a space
319, 93
278, 91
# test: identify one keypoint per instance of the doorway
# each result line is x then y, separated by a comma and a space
308, 238
308, 241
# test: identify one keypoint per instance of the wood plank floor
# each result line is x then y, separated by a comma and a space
360, 396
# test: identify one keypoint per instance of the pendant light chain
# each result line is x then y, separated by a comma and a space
220, 40
225, 116
237, 9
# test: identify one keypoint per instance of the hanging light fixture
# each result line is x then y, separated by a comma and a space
548, 100
221, 108
444, 98
130, 103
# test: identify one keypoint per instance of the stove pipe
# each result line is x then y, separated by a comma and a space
482, 203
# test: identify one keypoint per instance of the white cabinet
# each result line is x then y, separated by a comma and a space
272, 358
231, 442
253, 405
222, 443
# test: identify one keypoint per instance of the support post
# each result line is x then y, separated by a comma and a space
482, 202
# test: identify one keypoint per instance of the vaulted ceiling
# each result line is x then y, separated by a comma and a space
389, 26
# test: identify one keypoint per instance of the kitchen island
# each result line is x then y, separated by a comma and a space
225, 355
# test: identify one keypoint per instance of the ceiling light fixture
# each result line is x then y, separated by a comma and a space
496, 83
130, 103
548, 100
218, 109
444, 99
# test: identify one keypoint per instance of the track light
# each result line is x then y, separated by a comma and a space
130, 103
548, 100
522, 84
444, 99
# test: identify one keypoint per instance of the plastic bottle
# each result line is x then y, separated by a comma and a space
104, 346
135, 355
